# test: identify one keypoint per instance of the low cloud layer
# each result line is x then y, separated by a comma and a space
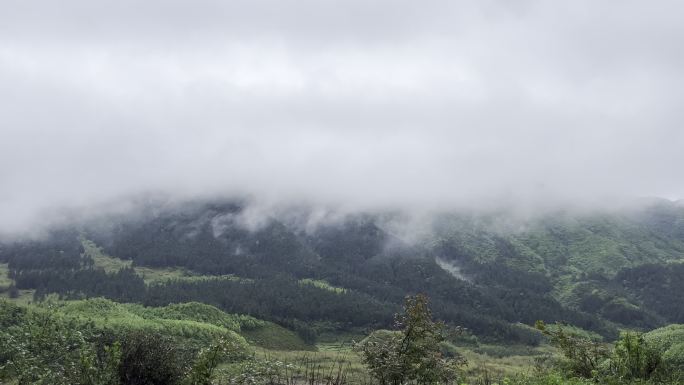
355, 103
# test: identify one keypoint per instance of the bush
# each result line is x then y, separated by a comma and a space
222, 350
582, 355
44, 346
45, 349
669, 341
413, 354
633, 358
149, 358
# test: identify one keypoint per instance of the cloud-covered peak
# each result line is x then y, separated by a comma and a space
355, 103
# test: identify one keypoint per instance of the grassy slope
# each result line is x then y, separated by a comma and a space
193, 321
149, 274
275, 337
321, 284
199, 323
259, 333
183, 320
112, 264
123, 317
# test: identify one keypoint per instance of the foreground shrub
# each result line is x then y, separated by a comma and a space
634, 359
45, 349
412, 354
669, 341
582, 355
221, 351
150, 358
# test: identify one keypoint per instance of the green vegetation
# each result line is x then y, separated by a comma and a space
113, 265
5, 281
412, 354
583, 269
201, 327
196, 322
9, 290
275, 337
195, 282
634, 358
669, 340
108, 263
40, 347
97, 341
322, 285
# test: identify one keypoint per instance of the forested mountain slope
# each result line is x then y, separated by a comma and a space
488, 272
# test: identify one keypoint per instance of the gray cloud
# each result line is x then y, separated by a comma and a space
357, 103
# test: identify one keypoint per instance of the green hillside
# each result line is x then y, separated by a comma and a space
197, 274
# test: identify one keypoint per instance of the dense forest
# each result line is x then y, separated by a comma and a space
492, 277
559, 268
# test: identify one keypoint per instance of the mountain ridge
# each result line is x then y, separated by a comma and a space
598, 271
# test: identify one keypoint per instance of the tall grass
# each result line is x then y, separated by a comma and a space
296, 368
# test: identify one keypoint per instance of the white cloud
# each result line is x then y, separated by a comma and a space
357, 103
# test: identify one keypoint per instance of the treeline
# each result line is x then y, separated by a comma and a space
368, 303
272, 259
124, 285
355, 254
377, 270
373, 294
279, 298
210, 241
61, 250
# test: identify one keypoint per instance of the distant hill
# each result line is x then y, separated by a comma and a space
488, 272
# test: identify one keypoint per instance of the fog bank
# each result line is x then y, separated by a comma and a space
354, 105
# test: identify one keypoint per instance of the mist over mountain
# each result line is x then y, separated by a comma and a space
446, 105
487, 271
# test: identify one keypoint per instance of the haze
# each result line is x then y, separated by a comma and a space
355, 103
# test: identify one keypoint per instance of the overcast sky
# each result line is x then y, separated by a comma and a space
358, 102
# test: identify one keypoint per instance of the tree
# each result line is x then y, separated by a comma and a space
583, 356
413, 354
